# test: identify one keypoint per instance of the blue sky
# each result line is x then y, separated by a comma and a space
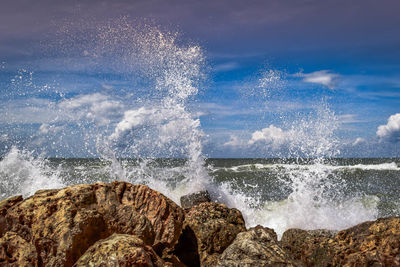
270, 66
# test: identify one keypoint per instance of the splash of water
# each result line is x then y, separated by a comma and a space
316, 199
22, 173
144, 119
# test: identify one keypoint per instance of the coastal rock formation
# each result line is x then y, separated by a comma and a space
120, 250
209, 228
256, 247
375, 243
15, 251
293, 241
194, 199
62, 224
120, 224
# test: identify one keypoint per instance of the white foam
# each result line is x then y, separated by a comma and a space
23, 174
392, 166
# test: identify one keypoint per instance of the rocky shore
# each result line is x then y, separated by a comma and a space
120, 224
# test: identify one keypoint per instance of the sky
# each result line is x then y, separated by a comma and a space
277, 74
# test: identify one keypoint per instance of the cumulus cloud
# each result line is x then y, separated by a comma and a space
97, 107
391, 131
322, 77
271, 135
132, 119
167, 123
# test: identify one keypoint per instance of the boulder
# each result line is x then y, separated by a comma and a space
293, 241
209, 228
120, 250
375, 243
256, 247
62, 224
15, 251
194, 199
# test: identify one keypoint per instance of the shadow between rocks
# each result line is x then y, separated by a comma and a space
187, 249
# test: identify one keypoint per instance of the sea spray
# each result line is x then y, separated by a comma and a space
136, 115
311, 195
22, 173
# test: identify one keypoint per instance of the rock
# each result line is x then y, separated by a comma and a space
374, 243
63, 224
165, 216
256, 247
120, 250
293, 240
208, 229
194, 199
15, 251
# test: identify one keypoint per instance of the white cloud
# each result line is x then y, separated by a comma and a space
348, 118
322, 77
271, 135
132, 119
234, 141
358, 141
28, 111
228, 66
390, 131
97, 107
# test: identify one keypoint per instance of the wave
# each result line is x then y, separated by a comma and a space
392, 166
23, 174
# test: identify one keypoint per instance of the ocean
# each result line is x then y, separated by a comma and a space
278, 193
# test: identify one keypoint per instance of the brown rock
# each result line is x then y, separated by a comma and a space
374, 243
120, 250
165, 216
15, 251
194, 199
209, 229
63, 224
256, 247
294, 242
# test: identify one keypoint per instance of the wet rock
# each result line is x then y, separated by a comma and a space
62, 224
120, 250
256, 247
294, 241
209, 228
194, 199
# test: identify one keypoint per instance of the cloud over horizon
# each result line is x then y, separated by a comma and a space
391, 131
271, 135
